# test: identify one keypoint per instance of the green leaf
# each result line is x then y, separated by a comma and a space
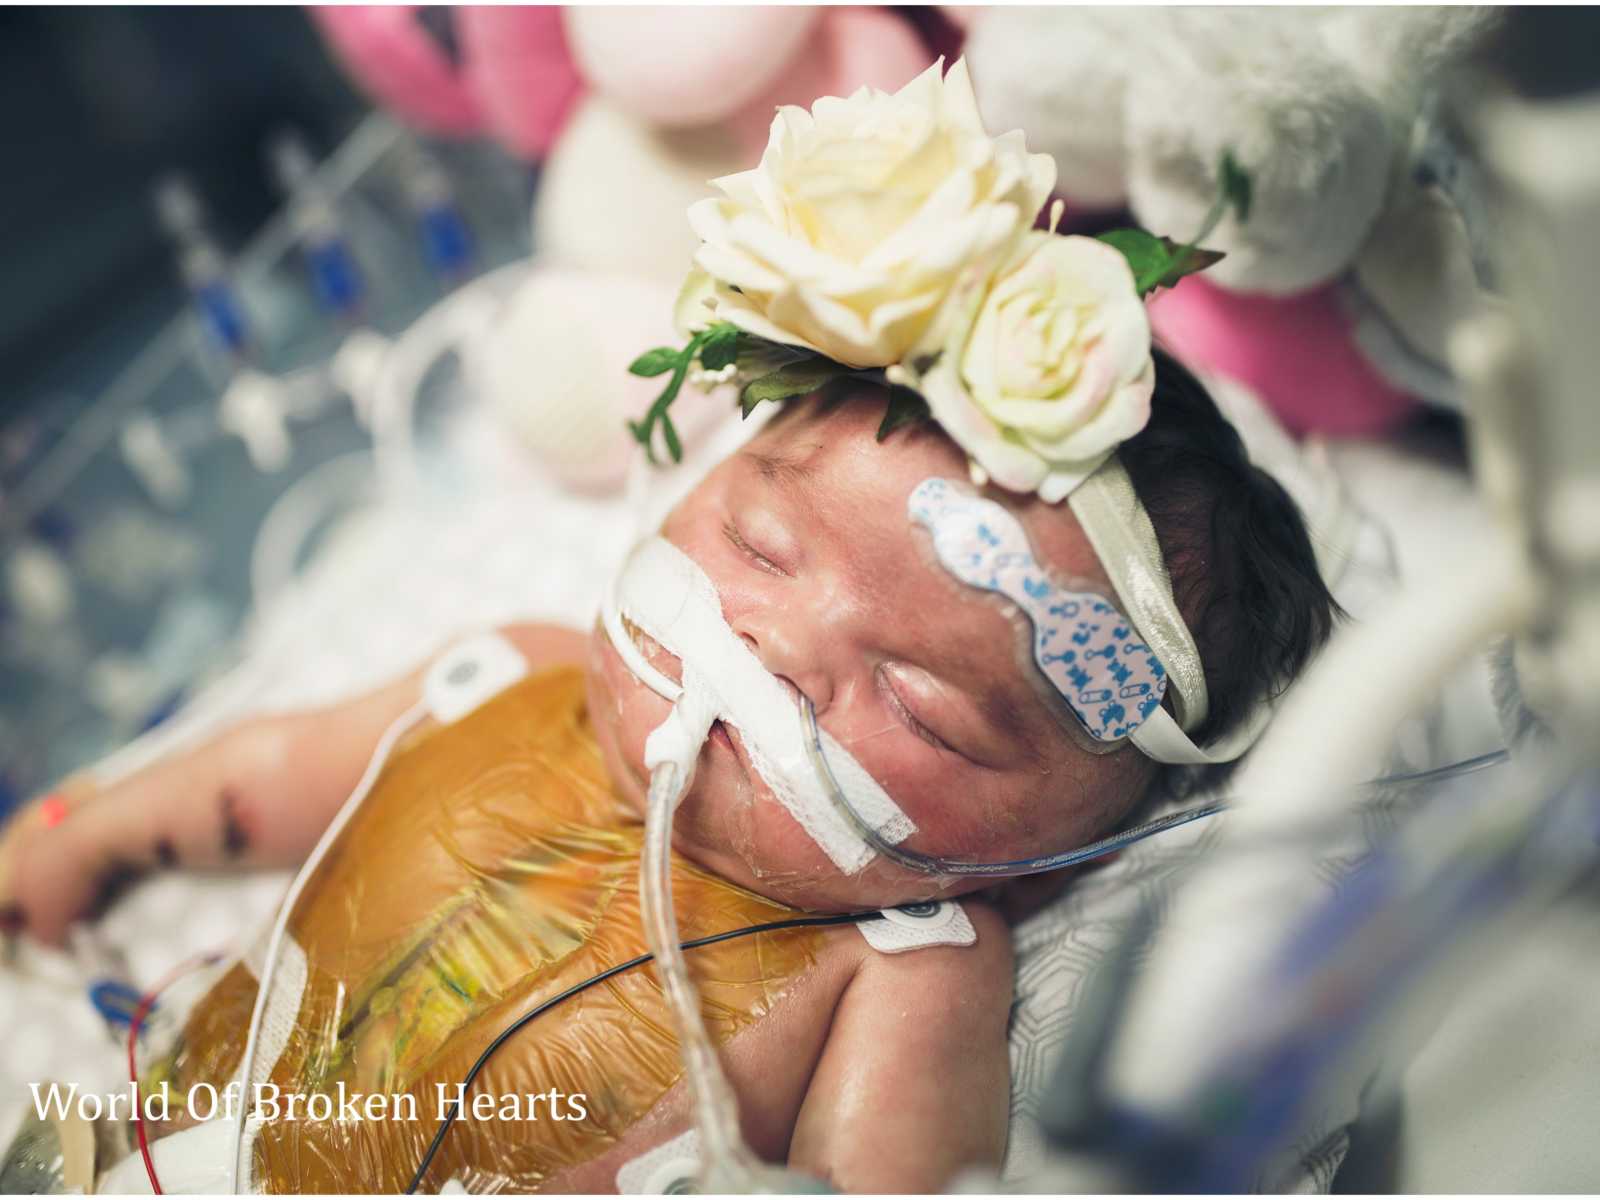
655, 362
670, 433
792, 379
1186, 260
720, 346
905, 408
641, 434
1148, 255
1158, 261
1235, 183
644, 431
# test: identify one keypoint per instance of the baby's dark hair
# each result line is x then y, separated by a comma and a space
1243, 569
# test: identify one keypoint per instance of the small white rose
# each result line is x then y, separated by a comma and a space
863, 214
1044, 367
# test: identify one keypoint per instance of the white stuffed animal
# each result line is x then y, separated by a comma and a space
1322, 108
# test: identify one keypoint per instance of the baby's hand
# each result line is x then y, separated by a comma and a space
56, 868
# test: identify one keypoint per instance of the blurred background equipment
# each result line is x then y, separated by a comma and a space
142, 451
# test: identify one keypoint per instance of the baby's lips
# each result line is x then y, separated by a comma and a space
654, 652
735, 743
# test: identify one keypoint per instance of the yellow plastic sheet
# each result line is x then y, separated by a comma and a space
489, 868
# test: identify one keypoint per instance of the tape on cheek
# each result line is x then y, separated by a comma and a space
1087, 650
666, 594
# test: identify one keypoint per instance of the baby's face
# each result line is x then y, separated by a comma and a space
819, 570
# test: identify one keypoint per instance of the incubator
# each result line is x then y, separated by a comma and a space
430, 925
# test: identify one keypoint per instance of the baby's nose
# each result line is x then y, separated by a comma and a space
799, 670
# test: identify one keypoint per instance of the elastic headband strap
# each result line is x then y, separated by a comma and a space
1119, 529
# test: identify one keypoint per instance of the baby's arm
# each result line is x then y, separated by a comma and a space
914, 1081
258, 795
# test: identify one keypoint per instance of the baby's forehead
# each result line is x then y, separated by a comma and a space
865, 483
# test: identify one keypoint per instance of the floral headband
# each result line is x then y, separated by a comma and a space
890, 238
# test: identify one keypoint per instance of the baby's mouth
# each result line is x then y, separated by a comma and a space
654, 652
669, 665
728, 738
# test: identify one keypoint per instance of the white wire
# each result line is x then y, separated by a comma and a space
380, 756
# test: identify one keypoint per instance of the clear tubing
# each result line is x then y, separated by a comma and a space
727, 1164
955, 869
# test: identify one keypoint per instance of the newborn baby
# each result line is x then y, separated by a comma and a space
873, 1072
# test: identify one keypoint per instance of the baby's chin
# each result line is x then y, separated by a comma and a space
730, 823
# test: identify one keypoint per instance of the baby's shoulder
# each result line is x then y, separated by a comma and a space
965, 952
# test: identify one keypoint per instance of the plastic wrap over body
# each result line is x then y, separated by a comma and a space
489, 869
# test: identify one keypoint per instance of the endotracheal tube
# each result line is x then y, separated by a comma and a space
727, 1164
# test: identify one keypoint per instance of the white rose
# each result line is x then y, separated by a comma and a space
862, 215
1044, 367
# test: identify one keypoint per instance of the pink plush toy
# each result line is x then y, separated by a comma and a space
511, 76
1296, 352
517, 71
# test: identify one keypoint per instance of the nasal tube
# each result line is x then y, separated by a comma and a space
727, 1164
670, 598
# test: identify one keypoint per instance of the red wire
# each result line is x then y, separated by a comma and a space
146, 1002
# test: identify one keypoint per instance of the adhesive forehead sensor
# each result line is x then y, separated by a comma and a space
1086, 649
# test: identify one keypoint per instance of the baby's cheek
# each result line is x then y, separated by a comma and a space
621, 717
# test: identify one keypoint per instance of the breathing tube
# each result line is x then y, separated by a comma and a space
665, 595
730, 1166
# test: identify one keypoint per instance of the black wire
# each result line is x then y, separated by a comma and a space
1465, 766
505, 1035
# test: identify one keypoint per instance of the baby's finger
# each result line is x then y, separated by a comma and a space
12, 923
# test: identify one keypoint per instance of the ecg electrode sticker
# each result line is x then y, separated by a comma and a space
1086, 648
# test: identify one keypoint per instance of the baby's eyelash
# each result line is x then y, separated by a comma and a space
731, 532
910, 720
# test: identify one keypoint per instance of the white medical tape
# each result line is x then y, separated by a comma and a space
282, 1012
1087, 650
665, 593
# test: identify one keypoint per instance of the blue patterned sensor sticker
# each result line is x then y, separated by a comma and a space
1086, 648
